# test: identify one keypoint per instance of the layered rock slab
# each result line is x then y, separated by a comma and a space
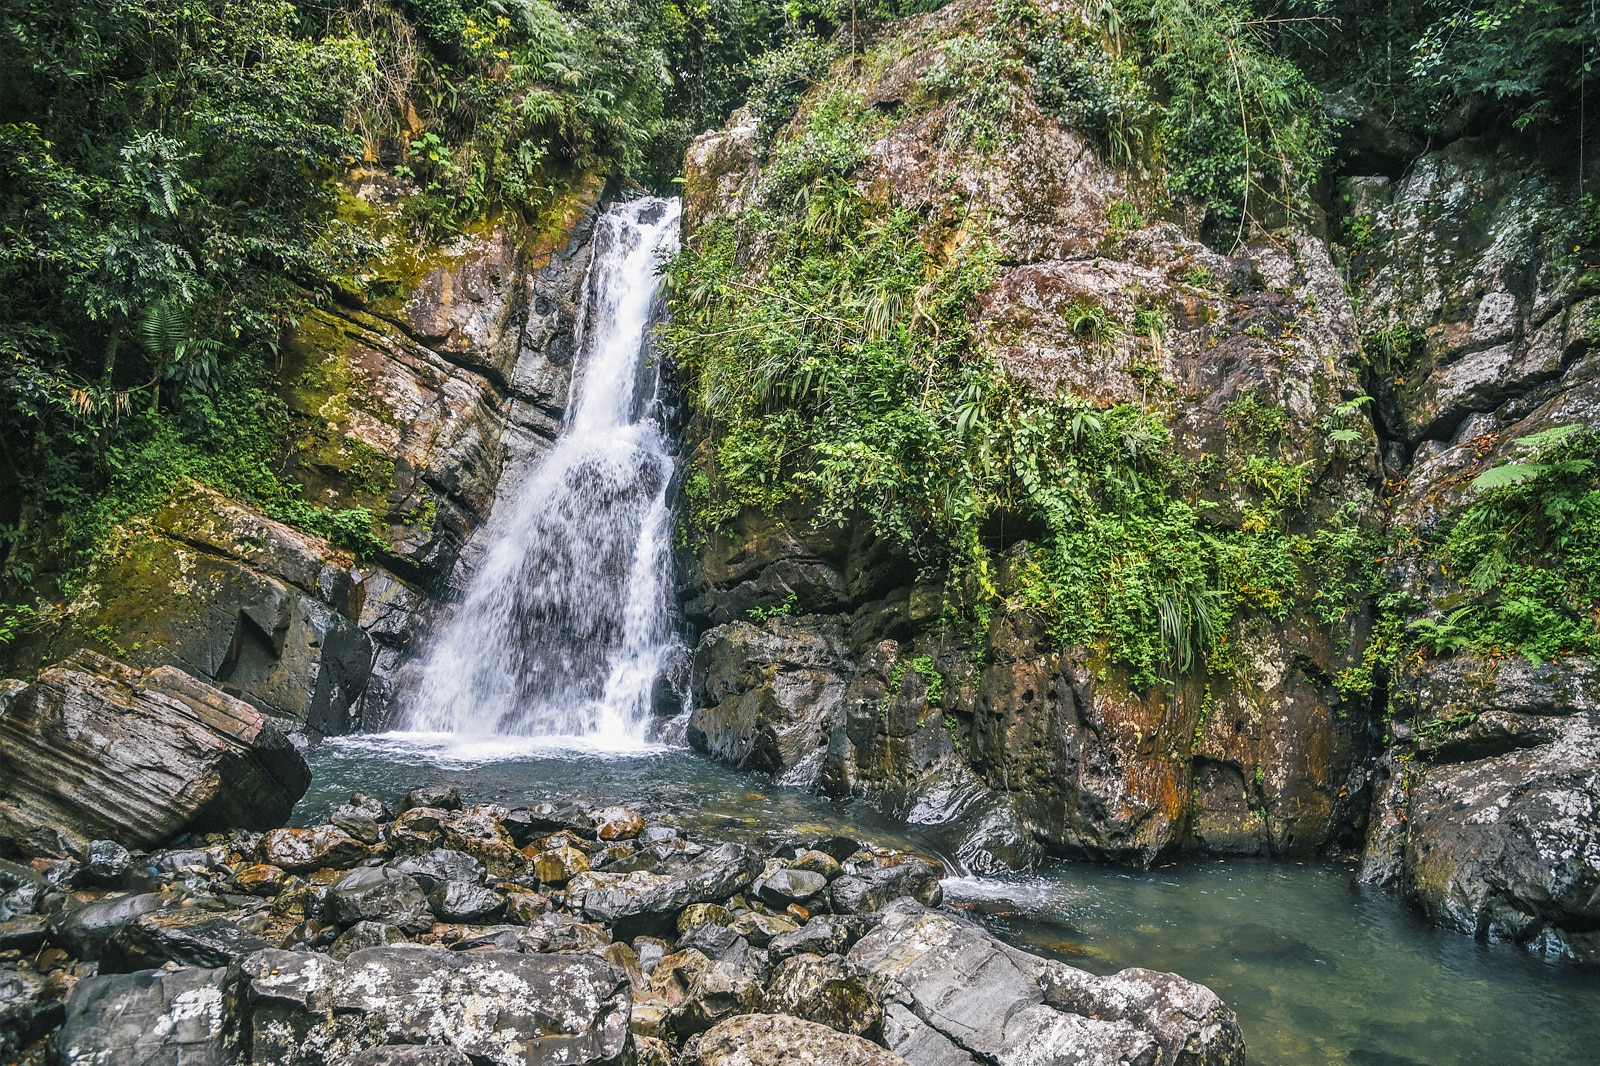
95, 749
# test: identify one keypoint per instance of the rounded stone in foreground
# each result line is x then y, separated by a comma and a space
779, 1040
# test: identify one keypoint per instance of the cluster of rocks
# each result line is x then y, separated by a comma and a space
441, 934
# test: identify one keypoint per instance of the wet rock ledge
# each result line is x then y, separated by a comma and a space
438, 934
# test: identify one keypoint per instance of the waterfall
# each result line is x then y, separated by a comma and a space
567, 622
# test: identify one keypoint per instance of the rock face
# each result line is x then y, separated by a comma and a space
96, 749
404, 407
182, 1018
1482, 327
1491, 823
1011, 743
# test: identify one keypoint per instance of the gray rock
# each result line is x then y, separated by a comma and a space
29, 1007
499, 1007
761, 929
562, 932
23, 890
153, 1018
719, 990
955, 995
784, 887
871, 890
105, 864
185, 936
767, 696
24, 932
366, 935
101, 750
822, 935
439, 797
440, 865
377, 893
525, 824
718, 943
86, 931
458, 901
777, 1040
1190, 1023
828, 989
647, 903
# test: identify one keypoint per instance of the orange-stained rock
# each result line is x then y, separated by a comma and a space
262, 879
303, 850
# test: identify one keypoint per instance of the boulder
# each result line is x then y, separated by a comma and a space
720, 990
778, 1040
100, 750
649, 903
559, 865
437, 797
459, 901
871, 890
504, 1008
24, 933
829, 989
784, 887
379, 894
185, 936
440, 865
304, 850
262, 879
105, 864
761, 929
23, 890
30, 1006
1192, 1026
366, 934
86, 931
525, 824
185, 1017
822, 935
766, 697
953, 994
617, 823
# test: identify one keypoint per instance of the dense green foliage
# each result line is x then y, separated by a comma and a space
846, 371
1194, 92
1432, 67
1528, 549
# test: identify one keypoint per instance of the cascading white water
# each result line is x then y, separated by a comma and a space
567, 622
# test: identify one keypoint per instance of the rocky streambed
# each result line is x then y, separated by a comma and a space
555, 932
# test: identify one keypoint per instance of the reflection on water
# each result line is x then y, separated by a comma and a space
1319, 970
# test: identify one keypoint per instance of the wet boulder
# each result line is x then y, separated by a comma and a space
953, 994
1192, 1026
24, 890
436, 797
86, 931
784, 887
779, 1040
649, 903
105, 864
30, 1006
379, 894
505, 1008
363, 818
718, 943
761, 929
822, 935
720, 990
185, 936
460, 901
25, 932
559, 865
185, 1017
526, 824
316, 848
871, 890
439, 866
766, 697
617, 823
829, 989
100, 750
366, 934
261, 879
